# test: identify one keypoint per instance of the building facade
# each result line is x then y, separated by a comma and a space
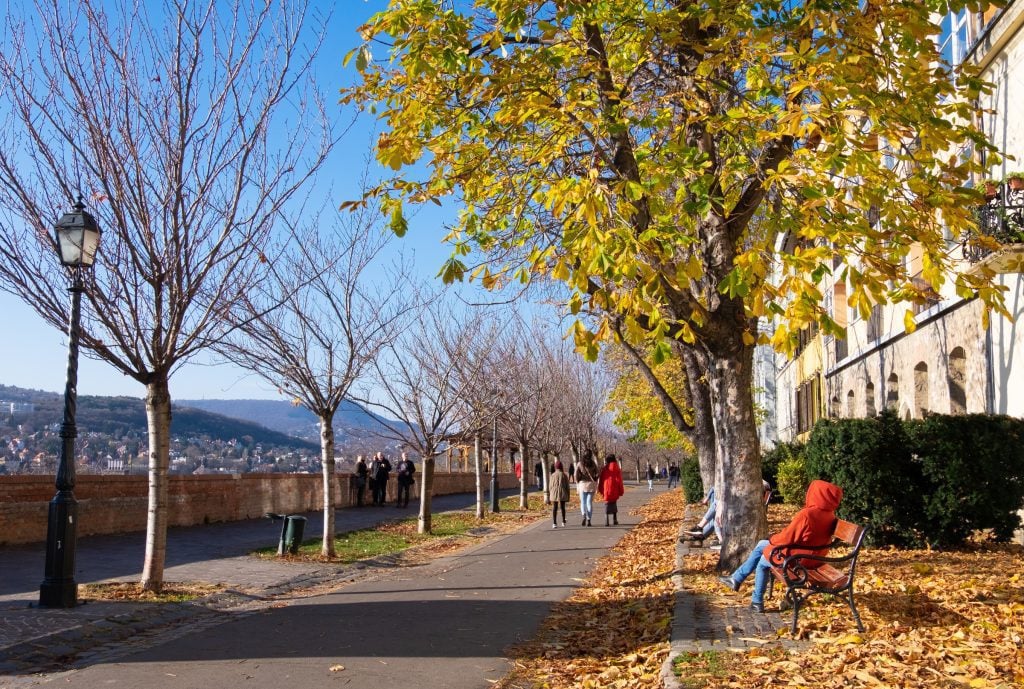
952, 362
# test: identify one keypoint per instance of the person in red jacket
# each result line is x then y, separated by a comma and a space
609, 487
813, 526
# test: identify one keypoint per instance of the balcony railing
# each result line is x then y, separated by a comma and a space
1000, 222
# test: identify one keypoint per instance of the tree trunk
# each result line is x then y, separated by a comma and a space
479, 477
703, 436
524, 453
327, 460
158, 420
426, 490
738, 479
544, 477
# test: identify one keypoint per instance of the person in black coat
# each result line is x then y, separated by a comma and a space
380, 470
406, 477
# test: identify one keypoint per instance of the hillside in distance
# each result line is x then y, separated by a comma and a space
119, 417
351, 422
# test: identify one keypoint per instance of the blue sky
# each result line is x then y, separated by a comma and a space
34, 355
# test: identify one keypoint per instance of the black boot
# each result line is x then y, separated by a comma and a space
615, 520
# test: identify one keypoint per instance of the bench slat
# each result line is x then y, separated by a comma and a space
848, 532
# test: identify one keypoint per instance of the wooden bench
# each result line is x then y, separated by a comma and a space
825, 574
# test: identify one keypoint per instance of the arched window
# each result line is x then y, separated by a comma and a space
892, 392
835, 407
869, 400
920, 390
957, 381
850, 402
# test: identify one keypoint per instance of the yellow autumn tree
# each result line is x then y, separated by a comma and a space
654, 154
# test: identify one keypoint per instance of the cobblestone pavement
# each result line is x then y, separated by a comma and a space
700, 625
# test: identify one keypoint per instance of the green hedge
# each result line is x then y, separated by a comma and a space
689, 477
974, 467
932, 482
784, 468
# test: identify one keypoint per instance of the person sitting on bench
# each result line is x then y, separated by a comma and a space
812, 526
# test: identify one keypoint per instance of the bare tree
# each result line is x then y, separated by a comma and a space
419, 381
484, 391
528, 365
190, 126
316, 324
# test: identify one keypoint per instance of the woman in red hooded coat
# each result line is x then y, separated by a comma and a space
813, 526
609, 487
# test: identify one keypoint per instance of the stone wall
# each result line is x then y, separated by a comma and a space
118, 504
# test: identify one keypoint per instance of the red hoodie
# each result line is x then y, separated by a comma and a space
813, 525
609, 486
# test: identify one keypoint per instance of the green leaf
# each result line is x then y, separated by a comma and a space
398, 224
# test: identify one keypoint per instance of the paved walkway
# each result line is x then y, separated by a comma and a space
444, 624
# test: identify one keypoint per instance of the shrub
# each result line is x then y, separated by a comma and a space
974, 468
793, 481
772, 460
871, 461
689, 478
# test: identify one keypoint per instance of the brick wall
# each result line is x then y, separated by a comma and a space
118, 504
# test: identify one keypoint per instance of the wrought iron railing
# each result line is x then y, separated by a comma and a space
1000, 221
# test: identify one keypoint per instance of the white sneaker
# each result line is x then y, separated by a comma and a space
554, 526
563, 525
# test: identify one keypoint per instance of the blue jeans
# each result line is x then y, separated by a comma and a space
587, 503
758, 565
709, 520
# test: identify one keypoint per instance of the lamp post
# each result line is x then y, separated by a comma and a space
78, 238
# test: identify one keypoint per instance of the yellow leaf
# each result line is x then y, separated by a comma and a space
909, 322
337, 668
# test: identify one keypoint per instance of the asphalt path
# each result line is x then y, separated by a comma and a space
445, 624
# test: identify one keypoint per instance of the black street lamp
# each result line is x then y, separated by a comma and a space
78, 238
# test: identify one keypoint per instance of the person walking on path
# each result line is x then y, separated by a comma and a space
361, 474
406, 477
611, 488
586, 485
650, 478
673, 476
811, 526
380, 469
559, 488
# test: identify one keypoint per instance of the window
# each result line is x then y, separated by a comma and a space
808, 404
851, 402
954, 37
929, 297
805, 337
875, 323
869, 400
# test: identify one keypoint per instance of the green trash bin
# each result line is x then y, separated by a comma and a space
291, 534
